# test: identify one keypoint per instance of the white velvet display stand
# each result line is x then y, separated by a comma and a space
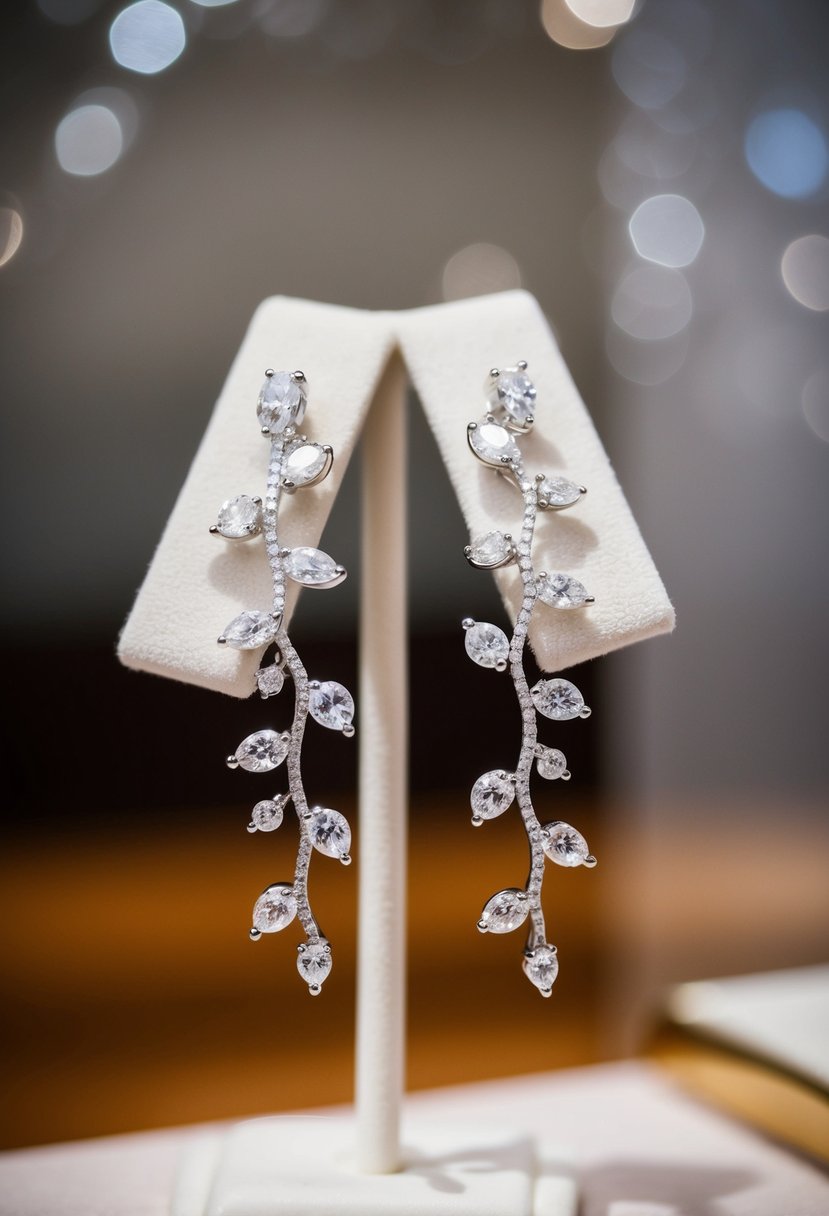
354, 362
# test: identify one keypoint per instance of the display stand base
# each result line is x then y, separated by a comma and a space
305, 1167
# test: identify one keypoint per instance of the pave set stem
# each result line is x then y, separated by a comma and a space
512, 397
294, 462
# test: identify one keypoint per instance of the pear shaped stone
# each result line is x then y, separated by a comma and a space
329, 832
250, 630
314, 964
269, 680
562, 591
563, 844
305, 463
513, 391
492, 443
313, 568
486, 644
274, 909
541, 968
240, 518
491, 794
557, 699
490, 551
550, 762
505, 911
267, 814
262, 751
282, 400
331, 705
556, 493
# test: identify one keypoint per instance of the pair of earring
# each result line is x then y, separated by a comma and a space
296, 462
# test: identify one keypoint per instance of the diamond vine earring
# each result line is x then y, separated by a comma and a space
512, 396
294, 462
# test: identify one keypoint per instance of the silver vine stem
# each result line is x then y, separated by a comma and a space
493, 440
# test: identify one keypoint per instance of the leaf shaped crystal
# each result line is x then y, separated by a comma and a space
331, 705
313, 568
262, 751
491, 794
275, 908
329, 832
564, 845
269, 680
556, 493
314, 964
250, 630
267, 814
541, 968
505, 911
239, 518
282, 400
557, 699
305, 463
492, 443
513, 391
562, 591
486, 644
550, 762
490, 551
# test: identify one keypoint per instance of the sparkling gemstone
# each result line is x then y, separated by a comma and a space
562, 591
563, 844
492, 794
267, 814
270, 680
493, 443
551, 763
314, 964
541, 968
486, 644
281, 402
331, 705
557, 699
239, 517
557, 493
514, 391
275, 908
491, 550
263, 750
505, 911
250, 630
329, 832
311, 567
304, 463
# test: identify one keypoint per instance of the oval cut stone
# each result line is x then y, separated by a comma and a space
267, 815
262, 751
541, 968
493, 443
281, 403
270, 679
551, 763
486, 644
514, 392
556, 493
314, 964
331, 705
491, 794
250, 630
312, 567
304, 463
562, 591
490, 551
329, 832
563, 844
239, 518
557, 699
275, 908
505, 911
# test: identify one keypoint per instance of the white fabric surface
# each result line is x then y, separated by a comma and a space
197, 583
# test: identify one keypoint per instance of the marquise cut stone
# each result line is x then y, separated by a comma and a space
239, 518
515, 392
557, 699
551, 763
505, 911
314, 964
250, 630
493, 443
491, 794
304, 463
563, 844
331, 705
311, 567
486, 644
491, 550
262, 751
275, 908
555, 493
267, 814
270, 679
329, 832
281, 402
541, 968
562, 591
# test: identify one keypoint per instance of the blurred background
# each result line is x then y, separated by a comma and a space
657, 175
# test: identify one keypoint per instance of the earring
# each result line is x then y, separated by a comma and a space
295, 462
493, 440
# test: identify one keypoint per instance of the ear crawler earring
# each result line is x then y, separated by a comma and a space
295, 462
493, 440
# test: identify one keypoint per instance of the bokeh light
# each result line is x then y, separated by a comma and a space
667, 229
648, 68
651, 303
563, 26
213, 3
815, 402
147, 37
88, 140
805, 270
479, 269
602, 13
11, 233
787, 152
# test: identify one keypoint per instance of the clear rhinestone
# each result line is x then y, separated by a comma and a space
486, 644
311, 567
492, 794
267, 814
281, 402
262, 751
329, 832
304, 463
270, 680
551, 763
505, 911
250, 630
541, 968
556, 493
515, 392
562, 591
331, 705
493, 443
490, 551
275, 908
314, 964
563, 844
239, 517
557, 699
